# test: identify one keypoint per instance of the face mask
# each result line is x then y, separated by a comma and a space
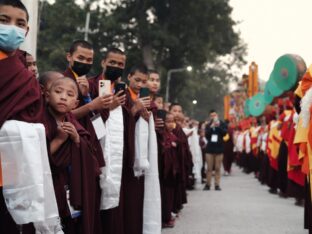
11, 37
113, 73
81, 68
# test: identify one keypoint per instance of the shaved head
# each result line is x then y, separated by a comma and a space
46, 78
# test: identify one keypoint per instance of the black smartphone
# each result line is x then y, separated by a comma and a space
161, 114
144, 92
120, 86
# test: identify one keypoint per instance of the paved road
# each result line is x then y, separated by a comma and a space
242, 207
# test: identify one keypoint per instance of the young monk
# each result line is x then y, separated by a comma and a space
80, 60
31, 64
74, 166
20, 94
25, 101
113, 65
184, 158
90, 110
168, 168
134, 186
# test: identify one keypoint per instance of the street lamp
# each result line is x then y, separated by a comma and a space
188, 68
194, 101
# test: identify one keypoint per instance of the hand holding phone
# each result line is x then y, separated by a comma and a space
121, 86
144, 92
104, 87
161, 114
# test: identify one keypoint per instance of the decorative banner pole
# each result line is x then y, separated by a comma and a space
253, 79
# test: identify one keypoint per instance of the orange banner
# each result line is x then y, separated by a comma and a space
226, 101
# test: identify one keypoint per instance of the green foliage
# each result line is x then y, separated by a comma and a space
58, 28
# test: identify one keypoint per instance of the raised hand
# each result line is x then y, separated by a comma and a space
83, 85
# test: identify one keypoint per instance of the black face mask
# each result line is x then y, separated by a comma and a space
113, 73
81, 68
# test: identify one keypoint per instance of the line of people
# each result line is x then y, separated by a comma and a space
276, 147
87, 154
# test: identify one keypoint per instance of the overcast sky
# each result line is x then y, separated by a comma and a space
272, 28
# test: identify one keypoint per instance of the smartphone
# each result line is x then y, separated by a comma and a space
104, 87
161, 114
144, 92
120, 86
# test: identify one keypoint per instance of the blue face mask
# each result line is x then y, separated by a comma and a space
11, 37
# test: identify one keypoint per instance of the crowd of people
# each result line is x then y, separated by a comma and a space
276, 146
84, 154
94, 154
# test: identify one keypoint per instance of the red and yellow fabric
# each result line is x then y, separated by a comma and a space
254, 133
294, 164
298, 90
274, 142
286, 121
306, 81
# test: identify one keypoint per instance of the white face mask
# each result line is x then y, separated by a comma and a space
11, 37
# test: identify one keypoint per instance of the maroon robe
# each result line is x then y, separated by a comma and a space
87, 124
169, 167
128, 216
133, 186
228, 152
76, 166
20, 99
20, 93
185, 165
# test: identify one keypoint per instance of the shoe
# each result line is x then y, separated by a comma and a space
169, 224
207, 187
217, 187
299, 202
273, 191
282, 194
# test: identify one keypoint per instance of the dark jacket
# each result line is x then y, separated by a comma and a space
214, 137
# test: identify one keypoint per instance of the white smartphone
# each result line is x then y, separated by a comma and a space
104, 87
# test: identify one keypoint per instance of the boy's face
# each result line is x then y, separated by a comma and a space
32, 65
159, 102
137, 81
153, 82
169, 122
176, 111
13, 16
62, 96
114, 60
214, 116
82, 55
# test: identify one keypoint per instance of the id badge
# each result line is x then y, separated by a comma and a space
74, 213
214, 138
99, 126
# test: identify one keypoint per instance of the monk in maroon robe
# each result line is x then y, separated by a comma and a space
169, 166
74, 167
184, 158
20, 93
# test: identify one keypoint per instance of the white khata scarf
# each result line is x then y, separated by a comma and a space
27, 182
